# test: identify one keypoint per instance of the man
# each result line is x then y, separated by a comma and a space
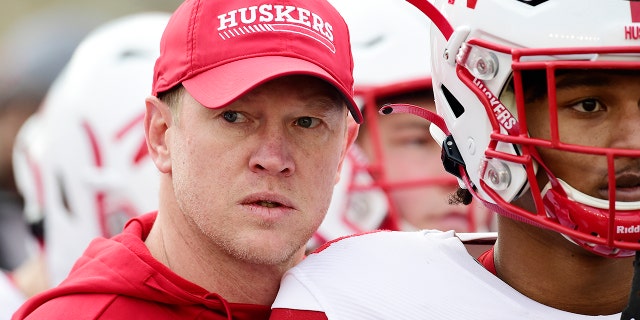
393, 176
540, 122
248, 128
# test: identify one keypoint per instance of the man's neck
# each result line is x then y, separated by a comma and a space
194, 259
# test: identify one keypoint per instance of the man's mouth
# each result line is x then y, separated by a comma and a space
627, 182
268, 201
627, 187
268, 204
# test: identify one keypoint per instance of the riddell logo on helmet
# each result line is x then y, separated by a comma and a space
276, 18
630, 229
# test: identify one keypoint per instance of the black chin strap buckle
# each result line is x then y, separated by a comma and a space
451, 158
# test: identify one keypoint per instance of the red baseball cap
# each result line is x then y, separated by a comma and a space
221, 49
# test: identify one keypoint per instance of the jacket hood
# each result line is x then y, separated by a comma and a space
123, 266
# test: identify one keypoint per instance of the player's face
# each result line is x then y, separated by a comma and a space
256, 176
420, 186
595, 109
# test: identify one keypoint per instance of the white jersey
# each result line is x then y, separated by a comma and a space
405, 275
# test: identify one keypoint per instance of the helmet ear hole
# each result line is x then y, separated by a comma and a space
453, 103
64, 198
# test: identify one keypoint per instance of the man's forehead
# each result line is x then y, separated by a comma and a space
592, 78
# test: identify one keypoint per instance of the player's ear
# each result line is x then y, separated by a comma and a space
158, 118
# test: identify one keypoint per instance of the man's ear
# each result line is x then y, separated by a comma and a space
157, 121
352, 134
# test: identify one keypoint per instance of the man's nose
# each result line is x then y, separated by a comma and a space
272, 154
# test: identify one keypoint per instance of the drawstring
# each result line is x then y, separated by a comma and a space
227, 308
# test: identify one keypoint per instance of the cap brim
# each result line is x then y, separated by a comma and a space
217, 87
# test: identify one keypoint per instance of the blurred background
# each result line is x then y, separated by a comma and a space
14, 11
37, 39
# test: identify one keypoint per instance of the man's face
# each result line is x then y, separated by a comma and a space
256, 176
420, 187
595, 109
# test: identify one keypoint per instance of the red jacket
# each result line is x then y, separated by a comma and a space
118, 278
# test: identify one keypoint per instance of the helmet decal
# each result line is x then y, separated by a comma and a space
89, 144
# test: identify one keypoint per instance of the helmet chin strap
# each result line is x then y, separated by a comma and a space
415, 110
560, 198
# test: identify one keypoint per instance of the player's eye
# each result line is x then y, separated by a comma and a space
588, 105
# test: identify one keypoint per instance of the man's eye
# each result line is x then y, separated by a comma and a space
589, 105
232, 116
307, 122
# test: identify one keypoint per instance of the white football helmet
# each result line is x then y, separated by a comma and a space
390, 46
351, 210
482, 52
82, 160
